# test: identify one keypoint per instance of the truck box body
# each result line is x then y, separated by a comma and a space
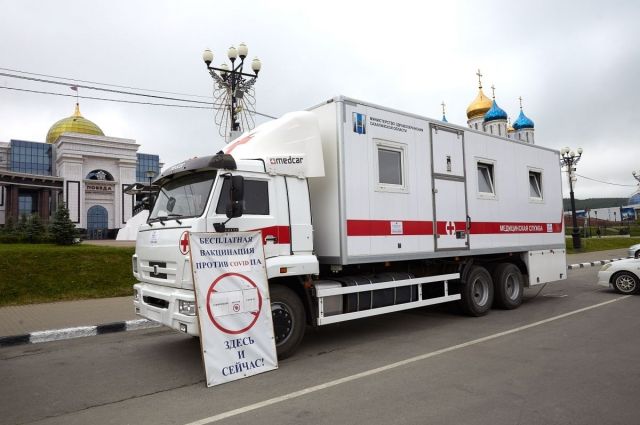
435, 204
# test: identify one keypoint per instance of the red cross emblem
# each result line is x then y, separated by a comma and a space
450, 228
184, 243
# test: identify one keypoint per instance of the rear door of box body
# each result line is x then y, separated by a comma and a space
449, 188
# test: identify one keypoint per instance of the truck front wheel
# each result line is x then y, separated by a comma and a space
288, 316
477, 292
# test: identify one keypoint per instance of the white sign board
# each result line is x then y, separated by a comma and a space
234, 309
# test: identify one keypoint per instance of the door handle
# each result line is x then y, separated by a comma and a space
271, 238
468, 223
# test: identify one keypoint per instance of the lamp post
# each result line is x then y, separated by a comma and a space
569, 159
233, 81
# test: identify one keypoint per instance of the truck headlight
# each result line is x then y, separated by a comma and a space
134, 263
188, 308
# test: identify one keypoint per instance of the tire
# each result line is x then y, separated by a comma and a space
477, 292
625, 283
508, 286
288, 317
637, 255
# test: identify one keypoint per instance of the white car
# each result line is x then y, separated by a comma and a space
634, 251
623, 276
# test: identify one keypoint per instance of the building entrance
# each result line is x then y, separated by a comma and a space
97, 222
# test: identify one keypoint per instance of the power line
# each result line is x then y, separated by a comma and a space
211, 106
114, 100
612, 184
60, 83
102, 84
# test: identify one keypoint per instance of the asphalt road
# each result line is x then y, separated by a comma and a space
567, 356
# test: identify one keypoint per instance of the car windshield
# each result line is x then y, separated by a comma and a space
185, 196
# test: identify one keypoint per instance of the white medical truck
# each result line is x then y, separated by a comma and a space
364, 210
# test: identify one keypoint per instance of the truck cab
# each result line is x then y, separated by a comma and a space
214, 194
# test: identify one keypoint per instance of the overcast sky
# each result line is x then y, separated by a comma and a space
576, 65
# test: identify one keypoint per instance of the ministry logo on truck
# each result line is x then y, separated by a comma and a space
359, 123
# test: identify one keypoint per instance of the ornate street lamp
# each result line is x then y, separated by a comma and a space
234, 89
569, 159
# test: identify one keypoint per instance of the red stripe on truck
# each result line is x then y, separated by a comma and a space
383, 227
409, 228
282, 234
496, 228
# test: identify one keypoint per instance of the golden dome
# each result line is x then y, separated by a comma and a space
480, 105
510, 128
76, 123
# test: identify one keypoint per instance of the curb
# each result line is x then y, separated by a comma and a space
594, 263
77, 332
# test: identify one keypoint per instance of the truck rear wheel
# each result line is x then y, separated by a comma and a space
288, 316
508, 286
477, 292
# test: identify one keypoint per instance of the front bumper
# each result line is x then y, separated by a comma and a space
160, 304
604, 278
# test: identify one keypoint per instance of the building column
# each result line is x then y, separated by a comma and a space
11, 200
43, 204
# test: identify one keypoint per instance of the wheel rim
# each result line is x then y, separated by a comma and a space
480, 292
625, 283
283, 324
512, 287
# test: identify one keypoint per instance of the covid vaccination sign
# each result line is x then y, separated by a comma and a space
230, 281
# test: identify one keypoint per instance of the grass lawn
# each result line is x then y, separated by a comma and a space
36, 273
601, 244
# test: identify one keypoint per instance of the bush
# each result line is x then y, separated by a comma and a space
8, 233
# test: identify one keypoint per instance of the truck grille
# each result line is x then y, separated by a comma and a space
156, 302
155, 265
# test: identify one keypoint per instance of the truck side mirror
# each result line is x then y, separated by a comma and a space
235, 208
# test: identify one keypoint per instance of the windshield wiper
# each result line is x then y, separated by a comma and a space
175, 217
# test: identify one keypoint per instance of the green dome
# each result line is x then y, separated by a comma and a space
76, 123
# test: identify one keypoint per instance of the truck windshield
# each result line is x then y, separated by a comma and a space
185, 196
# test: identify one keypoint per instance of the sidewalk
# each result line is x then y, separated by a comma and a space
26, 319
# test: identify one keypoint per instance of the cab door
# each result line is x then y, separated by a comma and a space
264, 210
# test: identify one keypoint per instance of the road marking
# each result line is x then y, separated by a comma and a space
390, 366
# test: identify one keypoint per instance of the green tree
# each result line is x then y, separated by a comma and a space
36, 230
63, 231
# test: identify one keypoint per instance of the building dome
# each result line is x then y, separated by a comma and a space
76, 123
480, 105
495, 113
510, 128
522, 122
635, 199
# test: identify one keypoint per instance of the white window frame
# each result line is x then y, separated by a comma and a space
395, 147
490, 165
537, 171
